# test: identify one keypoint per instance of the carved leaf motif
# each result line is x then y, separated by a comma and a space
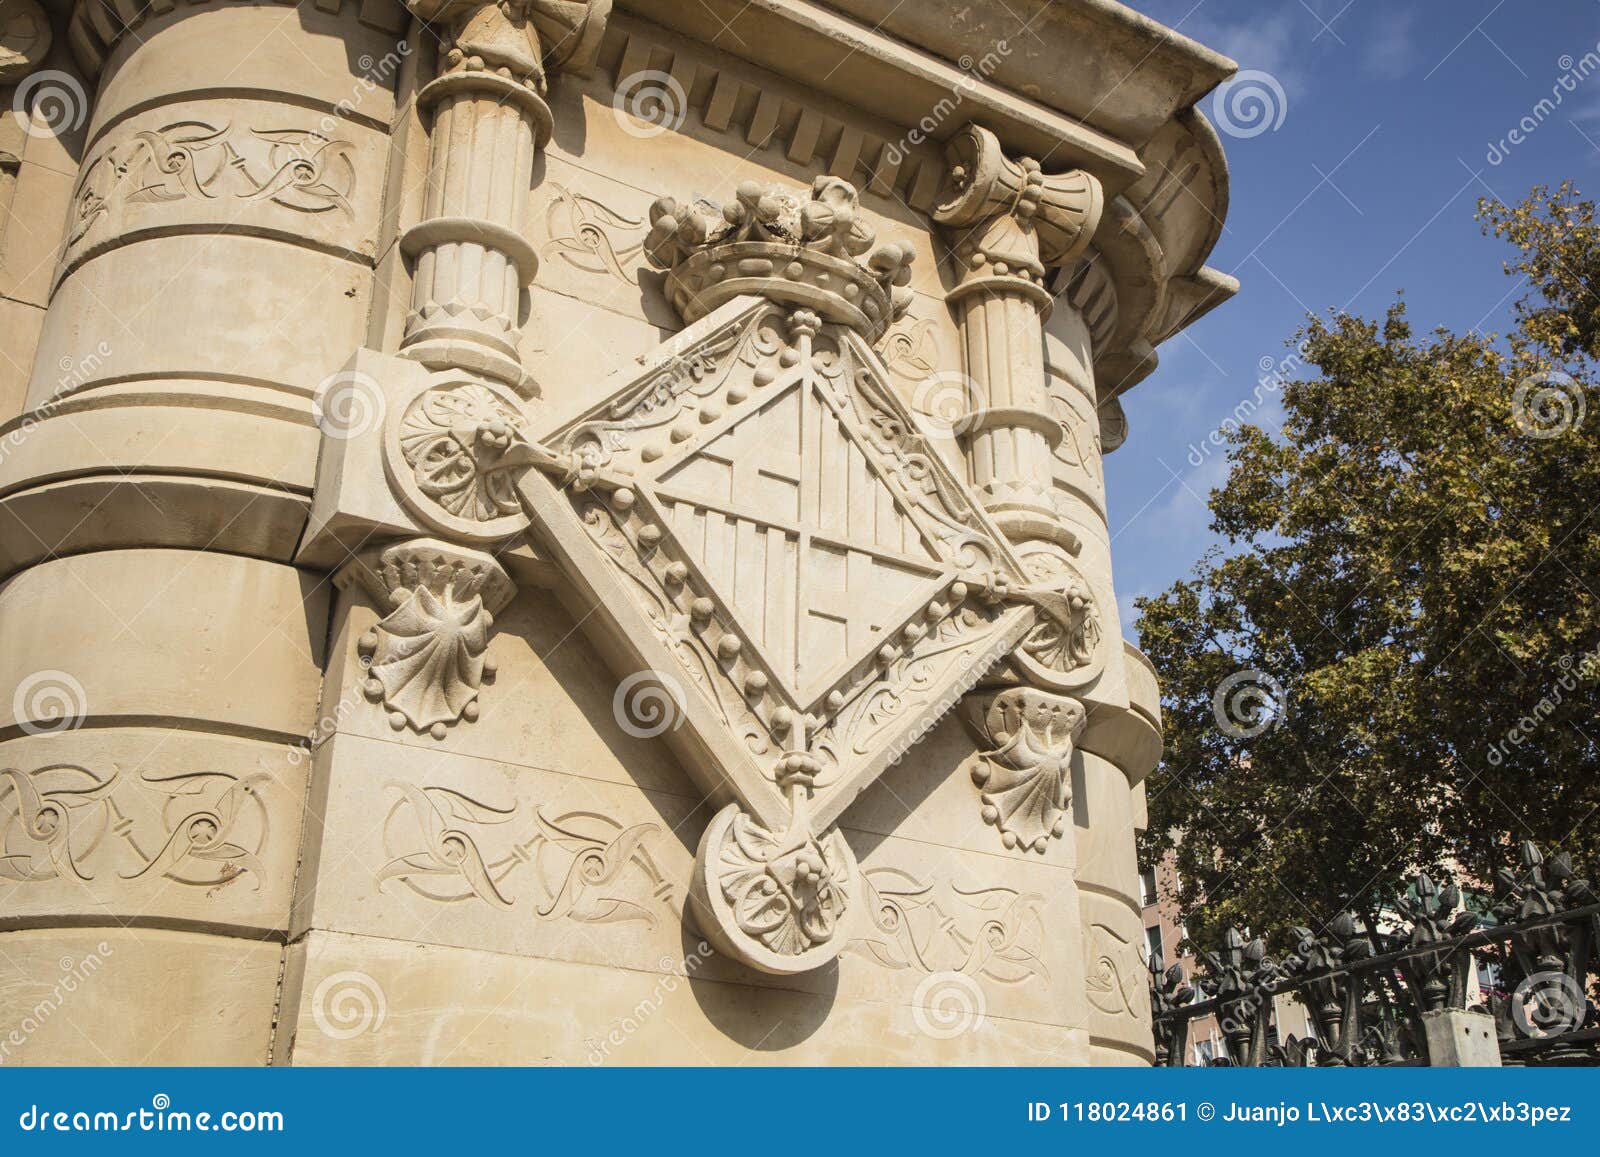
40, 829
580, 231
912, 353
311, 173
598, 863
790, 898
1025, 776
202, 813
436, 828
429, 657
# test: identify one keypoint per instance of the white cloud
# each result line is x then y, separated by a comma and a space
1389, 48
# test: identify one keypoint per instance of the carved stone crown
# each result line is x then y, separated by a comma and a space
776, 243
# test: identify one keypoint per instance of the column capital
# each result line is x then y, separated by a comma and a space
1007, 220
522, 39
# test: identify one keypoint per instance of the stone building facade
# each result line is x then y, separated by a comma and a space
563, 532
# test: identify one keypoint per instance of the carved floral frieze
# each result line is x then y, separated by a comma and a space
68, 823
931, 927
449, 847
299, 169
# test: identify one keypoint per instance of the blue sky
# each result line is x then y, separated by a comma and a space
1367, 186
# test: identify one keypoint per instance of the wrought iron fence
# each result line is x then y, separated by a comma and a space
1369, 994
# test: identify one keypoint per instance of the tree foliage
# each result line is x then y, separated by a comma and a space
1409, 583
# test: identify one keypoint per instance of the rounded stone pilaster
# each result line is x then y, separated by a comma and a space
472, 259
215, 270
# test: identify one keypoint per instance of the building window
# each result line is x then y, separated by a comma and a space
1152, 940
1147, 887
1204, 1052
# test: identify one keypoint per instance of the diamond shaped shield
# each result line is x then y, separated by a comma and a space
755, 517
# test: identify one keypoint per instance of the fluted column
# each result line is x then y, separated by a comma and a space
1007, 223
472, 258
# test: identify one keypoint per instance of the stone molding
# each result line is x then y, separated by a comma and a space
98, 26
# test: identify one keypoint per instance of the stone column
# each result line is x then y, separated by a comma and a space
472, 258
1054, 758
1008, 224
162, 655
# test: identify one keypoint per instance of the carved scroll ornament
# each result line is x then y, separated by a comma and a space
774, 900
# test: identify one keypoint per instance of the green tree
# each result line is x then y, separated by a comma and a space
1392, 663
